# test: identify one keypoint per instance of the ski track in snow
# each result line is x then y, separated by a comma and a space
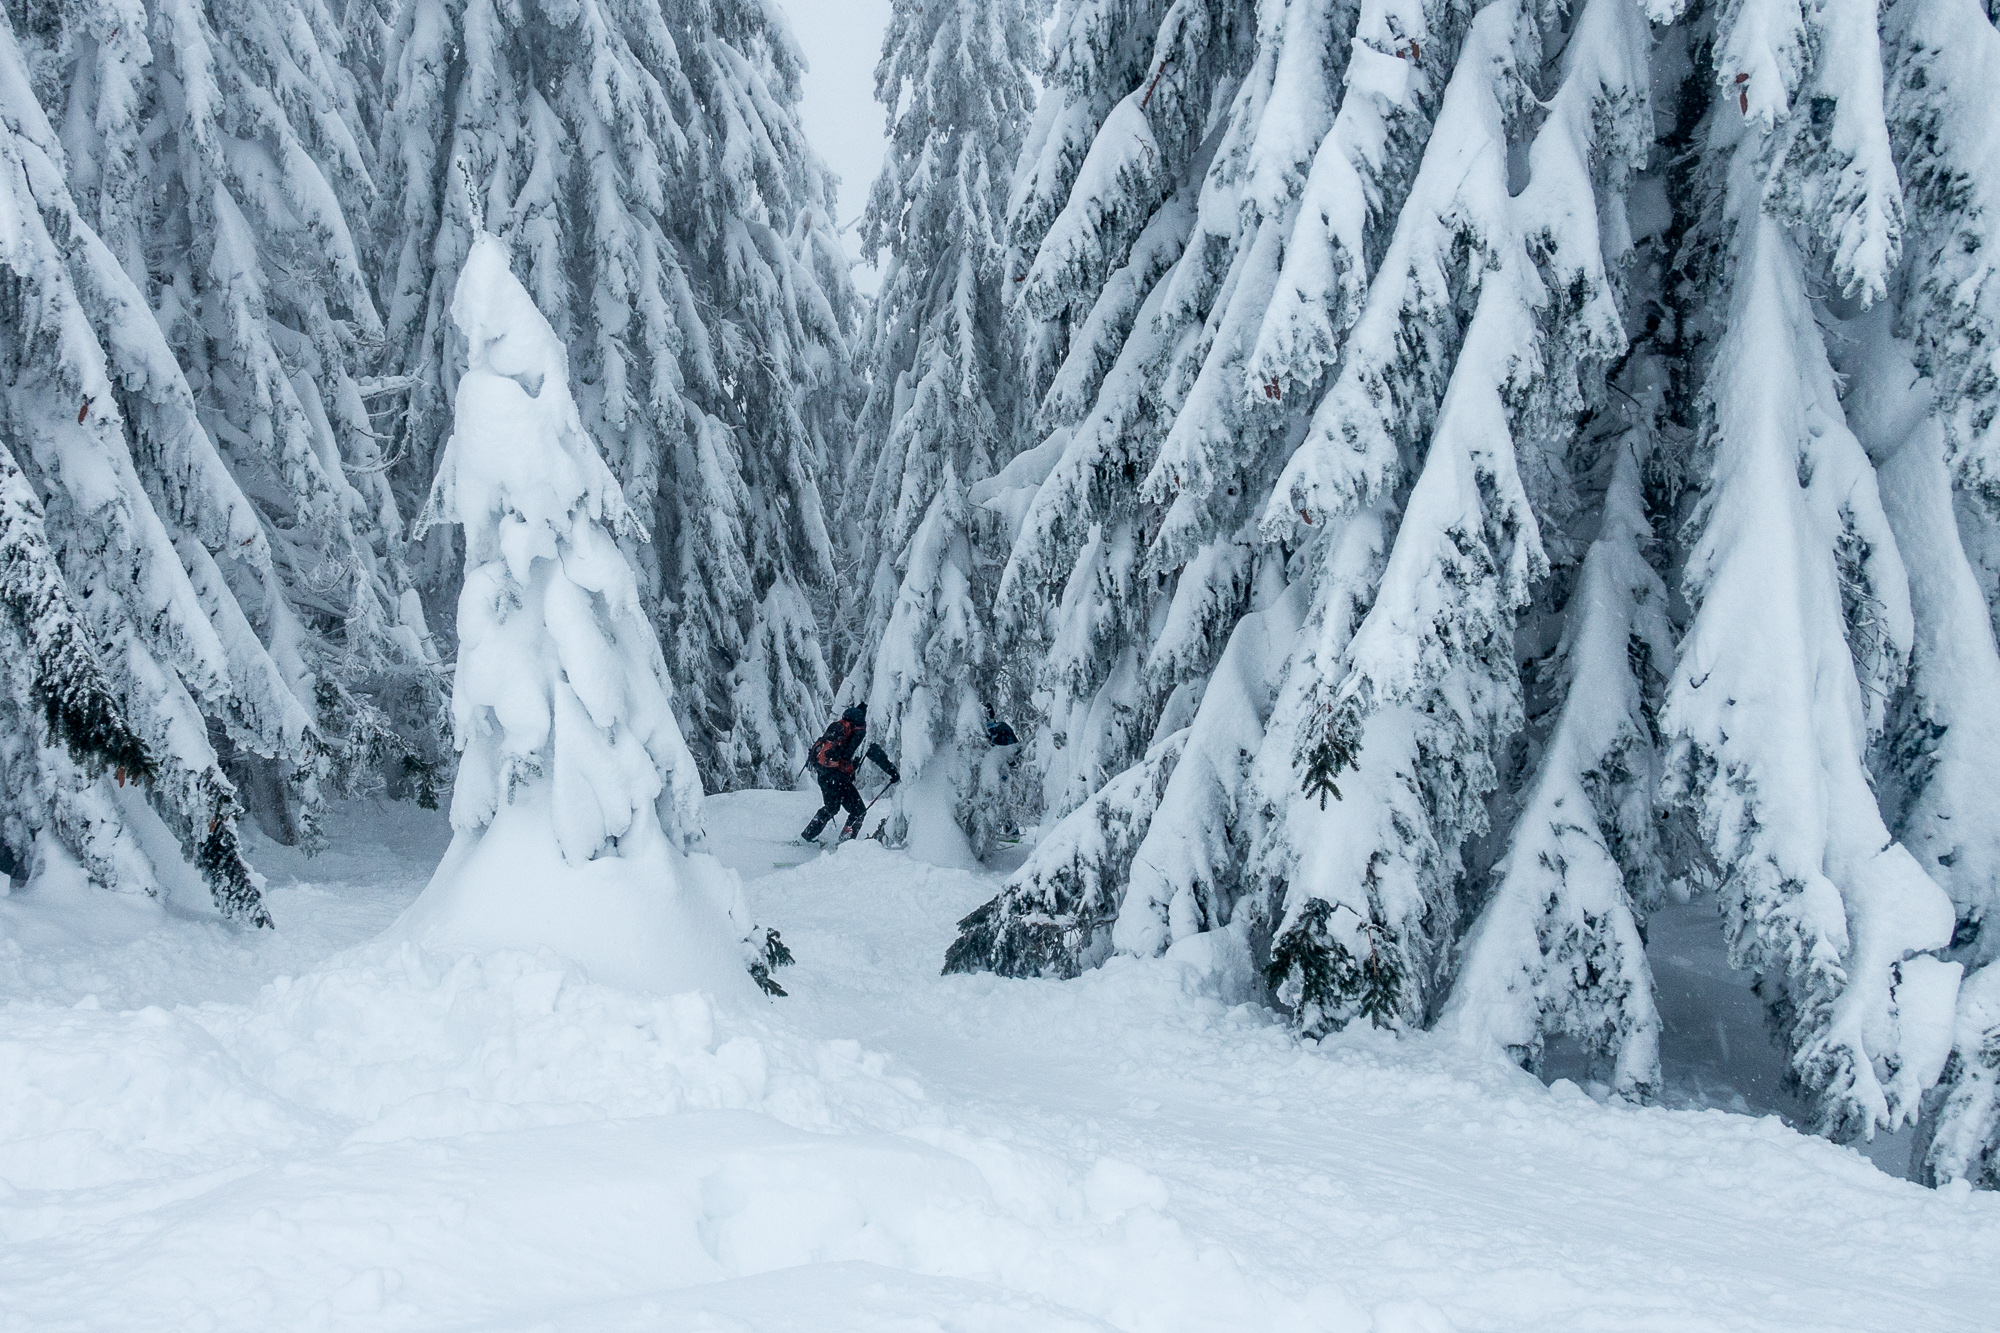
205, 1128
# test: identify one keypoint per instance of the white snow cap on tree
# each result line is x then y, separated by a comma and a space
577, 808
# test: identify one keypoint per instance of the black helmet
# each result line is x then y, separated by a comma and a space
858, 715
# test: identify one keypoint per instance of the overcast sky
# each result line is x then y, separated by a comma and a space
842, 41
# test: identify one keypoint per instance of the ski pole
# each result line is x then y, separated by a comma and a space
878, 796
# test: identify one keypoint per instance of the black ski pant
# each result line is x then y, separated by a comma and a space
840, 792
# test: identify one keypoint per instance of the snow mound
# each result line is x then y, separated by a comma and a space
934, 836
386, 1044
92, 1098
448, 1090
409, 1044
403, 1043
655, 923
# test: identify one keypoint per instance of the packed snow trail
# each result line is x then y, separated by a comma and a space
207, 1128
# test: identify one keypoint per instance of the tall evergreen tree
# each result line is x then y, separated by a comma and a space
151, 532
645, 163
1129, 280
1943, 126
216, 151
577, 809
1459, 332
1802, 623
944, 400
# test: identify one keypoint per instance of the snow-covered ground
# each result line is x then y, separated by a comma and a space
206, 1128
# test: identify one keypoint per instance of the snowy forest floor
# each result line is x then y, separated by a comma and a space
203, 1128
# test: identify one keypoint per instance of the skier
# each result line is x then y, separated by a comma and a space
834, 764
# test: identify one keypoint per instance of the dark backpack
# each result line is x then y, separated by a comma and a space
835, 749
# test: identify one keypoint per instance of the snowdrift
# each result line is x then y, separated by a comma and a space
391, 1137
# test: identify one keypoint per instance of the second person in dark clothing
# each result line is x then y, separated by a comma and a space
834, 765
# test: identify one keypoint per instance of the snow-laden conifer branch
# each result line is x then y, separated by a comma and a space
67, 739
1946, 132
1054, 917
1359, 178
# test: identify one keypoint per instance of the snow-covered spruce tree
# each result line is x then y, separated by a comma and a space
577, 808
1472, 351
1488, 480
1291, 125
1943, 125
1120, 294
63, 735
943, 411
149, 528
215, 150
829, 416
645, 164
1221, 446
1186, 199
1802, 613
